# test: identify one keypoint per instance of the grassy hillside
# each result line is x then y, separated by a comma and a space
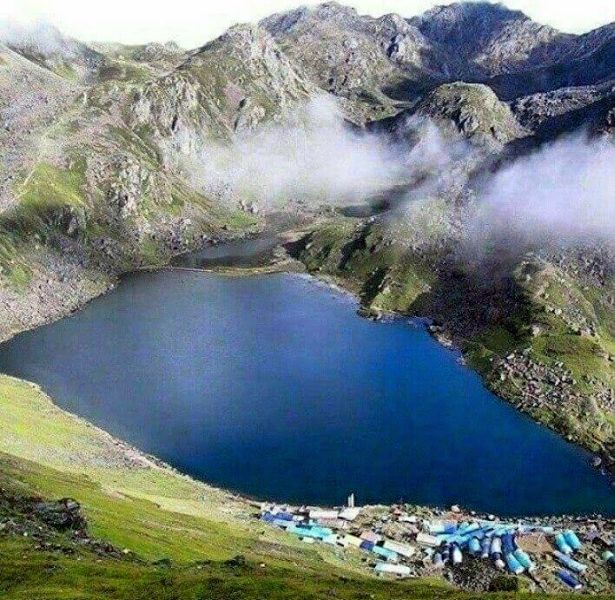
25, 574
149, 512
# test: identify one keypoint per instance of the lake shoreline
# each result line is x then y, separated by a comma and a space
602, 461
248, 505
283, 263
242, 510
148, 289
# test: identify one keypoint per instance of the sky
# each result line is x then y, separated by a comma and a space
194, 22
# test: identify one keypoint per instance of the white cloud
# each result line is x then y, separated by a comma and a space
563, 193
36, 35
315, 159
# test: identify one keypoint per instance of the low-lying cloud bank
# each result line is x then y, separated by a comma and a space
561, 194
315, 159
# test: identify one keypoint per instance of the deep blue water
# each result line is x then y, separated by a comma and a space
275, 387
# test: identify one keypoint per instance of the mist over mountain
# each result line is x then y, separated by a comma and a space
562, 194
235, 119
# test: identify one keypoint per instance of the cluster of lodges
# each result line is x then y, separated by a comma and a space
501, 543
336, 527
423, 543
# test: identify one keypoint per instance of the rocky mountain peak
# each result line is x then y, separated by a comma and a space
250, 53
154, 52
245, 36
472, 110
331, 12
484, 39
445, 20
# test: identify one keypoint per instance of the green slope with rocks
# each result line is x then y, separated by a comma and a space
540, 331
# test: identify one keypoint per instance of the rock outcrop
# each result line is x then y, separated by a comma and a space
473, 110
